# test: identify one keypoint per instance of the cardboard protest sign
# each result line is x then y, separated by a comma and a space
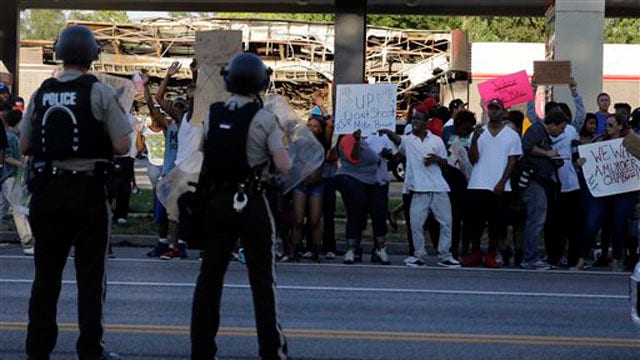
552, 72
214, 49
512, 89
365, 107
609, 168
124, 88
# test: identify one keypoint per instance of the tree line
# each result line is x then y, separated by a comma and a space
46, 24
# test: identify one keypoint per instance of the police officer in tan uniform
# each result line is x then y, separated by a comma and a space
242, 139
73, 126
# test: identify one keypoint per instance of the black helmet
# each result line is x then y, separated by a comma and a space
77, 45
246, 74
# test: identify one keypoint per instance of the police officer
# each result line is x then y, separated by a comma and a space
240, 140
73, 126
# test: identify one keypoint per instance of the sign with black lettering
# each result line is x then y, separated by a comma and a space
365, 107
609, 168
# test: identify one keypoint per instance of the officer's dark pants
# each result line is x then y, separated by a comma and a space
122, 186
255, 226
68, 210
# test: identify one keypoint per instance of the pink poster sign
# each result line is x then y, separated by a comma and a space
512, 89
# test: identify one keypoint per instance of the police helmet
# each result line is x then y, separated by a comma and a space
77, 45
246, 74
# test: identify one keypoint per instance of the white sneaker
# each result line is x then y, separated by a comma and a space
28, 251
307, 255
413, 261
121, 221
330, 255
349, 257
380, 255
449, 262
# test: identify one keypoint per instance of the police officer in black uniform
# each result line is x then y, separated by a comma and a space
73, 126
242, 139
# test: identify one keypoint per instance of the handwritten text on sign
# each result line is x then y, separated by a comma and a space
609, 168
512, 89
365, 107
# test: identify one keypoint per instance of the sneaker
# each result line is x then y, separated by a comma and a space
28, 250
616, 266
121, 221
536, 265
490, 261
329, 255
110, 356
158, 250
380, 256
349, 257
449, 262
498, 257
182, 250
307, 255
413, 261
475, 259
135, 190
171, 254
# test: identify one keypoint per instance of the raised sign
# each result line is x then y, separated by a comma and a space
512, 89
553, 72
609, 168
365, 107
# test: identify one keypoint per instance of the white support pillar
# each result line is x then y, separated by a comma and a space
579, 37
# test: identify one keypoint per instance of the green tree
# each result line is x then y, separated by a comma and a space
41, 24
278, 16
119, 17
622, 31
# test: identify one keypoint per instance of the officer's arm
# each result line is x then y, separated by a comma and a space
282, 161
121, 145
26, 127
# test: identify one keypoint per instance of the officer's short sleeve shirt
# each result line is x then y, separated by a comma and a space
106, 108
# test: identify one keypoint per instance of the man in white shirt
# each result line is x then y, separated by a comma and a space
494, 150
425, 155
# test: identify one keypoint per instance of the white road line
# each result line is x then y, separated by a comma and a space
356, 289
338, 264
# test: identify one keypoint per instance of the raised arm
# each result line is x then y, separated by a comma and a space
167, 106
581, 112
531, 105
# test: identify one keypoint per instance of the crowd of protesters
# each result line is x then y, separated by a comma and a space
467, 178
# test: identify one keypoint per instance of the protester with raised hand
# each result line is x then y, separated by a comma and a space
426, 156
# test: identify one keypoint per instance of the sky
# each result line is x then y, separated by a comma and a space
136, 15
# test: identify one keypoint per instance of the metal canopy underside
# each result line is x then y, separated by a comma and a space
614, 8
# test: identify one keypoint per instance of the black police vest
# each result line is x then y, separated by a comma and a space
225, 155
64, 126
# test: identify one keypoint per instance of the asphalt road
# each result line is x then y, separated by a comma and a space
332, 311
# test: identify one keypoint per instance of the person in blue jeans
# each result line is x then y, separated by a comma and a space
540, 163
617, 207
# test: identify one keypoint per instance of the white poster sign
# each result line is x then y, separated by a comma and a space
609, 168
365, 107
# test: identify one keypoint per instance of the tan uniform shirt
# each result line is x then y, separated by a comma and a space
106, 109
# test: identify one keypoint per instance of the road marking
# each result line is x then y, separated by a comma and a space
366, 265
358, 335
356, 289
